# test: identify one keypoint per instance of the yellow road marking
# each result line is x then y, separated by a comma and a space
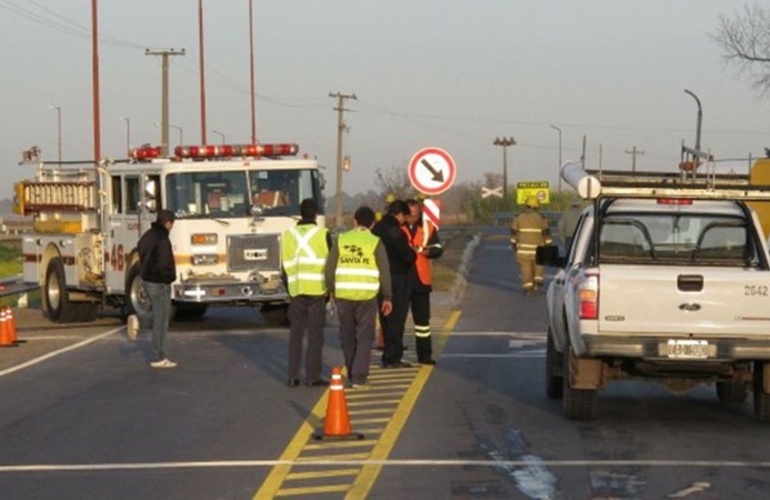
411, 379
384, 446
315, 474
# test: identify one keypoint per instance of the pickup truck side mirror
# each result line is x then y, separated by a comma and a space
549, 256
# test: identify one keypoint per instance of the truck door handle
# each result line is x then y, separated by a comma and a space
689, 282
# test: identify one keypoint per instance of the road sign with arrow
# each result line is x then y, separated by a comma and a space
432, 171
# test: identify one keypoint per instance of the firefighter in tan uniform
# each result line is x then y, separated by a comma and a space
528, 231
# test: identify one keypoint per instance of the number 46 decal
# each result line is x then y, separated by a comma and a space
117, 258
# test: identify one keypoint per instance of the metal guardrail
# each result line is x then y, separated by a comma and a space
14, 285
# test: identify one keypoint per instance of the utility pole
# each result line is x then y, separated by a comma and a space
634, 153
202, 71
558, 169
251, 65
164, 54
341, 129
504, 142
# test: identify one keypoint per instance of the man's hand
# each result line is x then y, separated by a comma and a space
386, 307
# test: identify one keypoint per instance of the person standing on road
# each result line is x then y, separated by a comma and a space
356, 272
401, 258
423, 238
565, 228
158, 271
304, 250
528, 231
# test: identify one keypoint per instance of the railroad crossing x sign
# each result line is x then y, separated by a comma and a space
486, 192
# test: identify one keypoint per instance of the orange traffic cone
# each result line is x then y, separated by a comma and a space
337, 421
5, 333
12, 326
380, 342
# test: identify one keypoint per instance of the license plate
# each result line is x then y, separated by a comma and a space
688, 349
255, 254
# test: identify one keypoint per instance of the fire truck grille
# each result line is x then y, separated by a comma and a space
250, 252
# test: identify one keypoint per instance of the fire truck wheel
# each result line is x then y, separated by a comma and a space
275, 314
55, 295
86, 312
136, 300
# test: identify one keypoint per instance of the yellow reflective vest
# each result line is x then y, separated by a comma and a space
357, 276
304, 249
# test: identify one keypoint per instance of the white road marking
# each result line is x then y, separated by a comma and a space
534, 335
384, 463
534, 353
694, 488
63, 350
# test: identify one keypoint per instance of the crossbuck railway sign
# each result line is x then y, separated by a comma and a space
486, 192
432, 171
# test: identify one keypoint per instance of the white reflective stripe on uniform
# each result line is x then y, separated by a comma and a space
305, 276
290, 264
529, 230
356, 285
422, 331
528, 245
357, 272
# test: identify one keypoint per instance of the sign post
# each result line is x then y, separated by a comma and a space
432, 171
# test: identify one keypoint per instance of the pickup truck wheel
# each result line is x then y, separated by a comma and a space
554, 370
761, 400
577, 404
732, 392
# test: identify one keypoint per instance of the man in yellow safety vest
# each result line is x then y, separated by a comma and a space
304, 249
357, 272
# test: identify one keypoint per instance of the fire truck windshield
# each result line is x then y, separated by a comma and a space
234, 193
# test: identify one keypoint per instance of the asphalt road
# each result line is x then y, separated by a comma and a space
83, 417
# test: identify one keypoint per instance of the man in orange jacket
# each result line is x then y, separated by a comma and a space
423, 237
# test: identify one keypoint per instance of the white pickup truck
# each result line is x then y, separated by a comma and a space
667, 279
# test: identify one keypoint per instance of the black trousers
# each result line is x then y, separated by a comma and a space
420, 302
356, 336
306, 314
393, 324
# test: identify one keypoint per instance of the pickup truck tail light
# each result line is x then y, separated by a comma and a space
588, 295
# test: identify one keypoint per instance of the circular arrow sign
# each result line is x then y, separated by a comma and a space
432, 171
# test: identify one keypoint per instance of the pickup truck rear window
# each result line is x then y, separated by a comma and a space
676, 239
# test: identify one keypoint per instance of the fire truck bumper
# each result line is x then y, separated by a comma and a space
227, 293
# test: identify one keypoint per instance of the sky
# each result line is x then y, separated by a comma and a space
452, 74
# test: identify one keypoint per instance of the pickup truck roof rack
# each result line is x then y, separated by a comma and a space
591, 184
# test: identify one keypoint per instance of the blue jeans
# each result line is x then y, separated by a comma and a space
160, 300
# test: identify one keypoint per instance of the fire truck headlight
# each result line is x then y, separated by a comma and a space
204, 259
204, 239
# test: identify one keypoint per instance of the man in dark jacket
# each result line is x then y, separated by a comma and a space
401, 258
158, 271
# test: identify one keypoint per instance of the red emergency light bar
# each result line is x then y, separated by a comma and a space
144, 153
674, 201
238, 150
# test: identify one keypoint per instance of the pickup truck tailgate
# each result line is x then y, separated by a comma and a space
707, 301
